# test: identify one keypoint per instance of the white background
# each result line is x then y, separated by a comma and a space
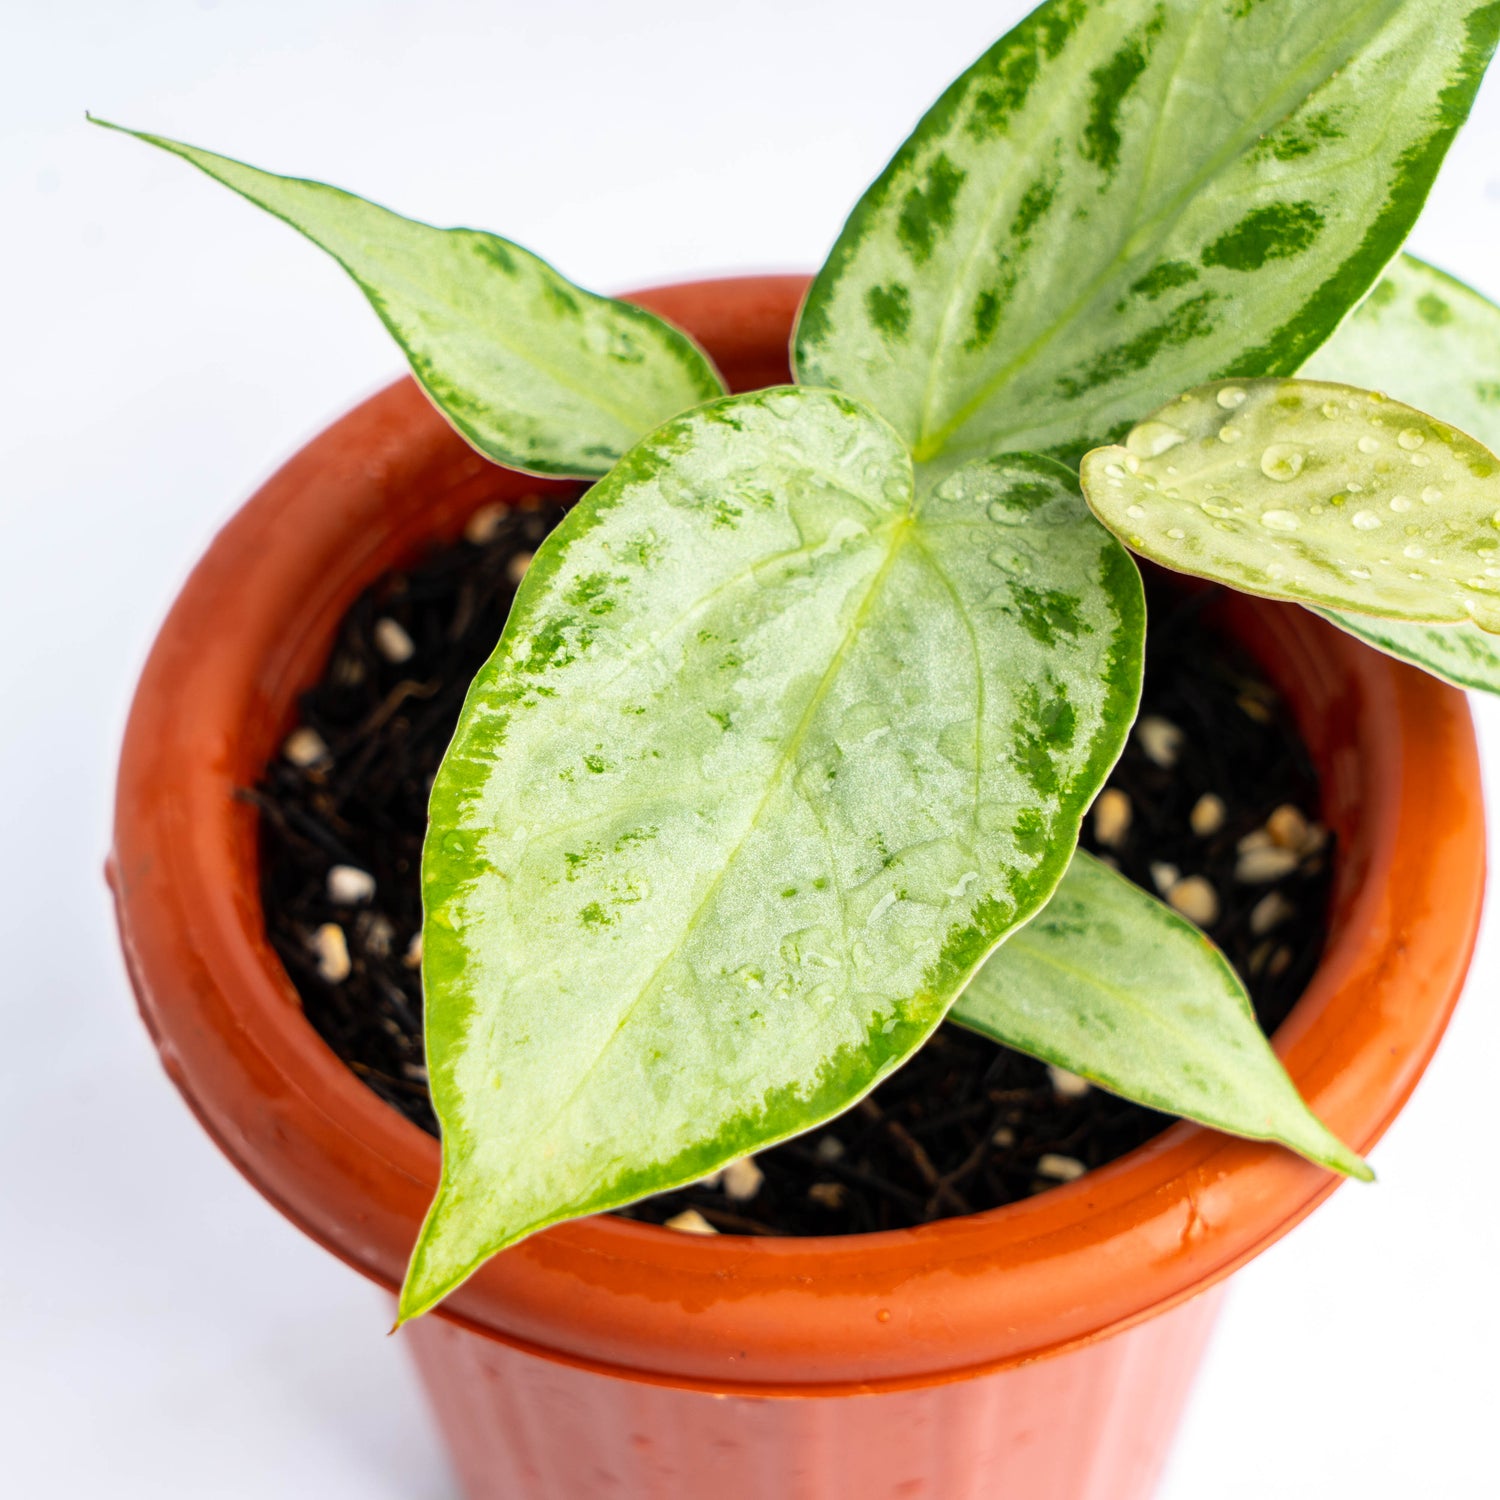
163, 1332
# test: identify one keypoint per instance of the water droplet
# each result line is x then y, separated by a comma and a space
1400, 503
1365, 520
1009, 561
1420, 460
1481, 584
956, 744
1217, 508
1114, 471
1279, 520
1276, 571
1282, 462
1152, 439
1176, 533
1431, 495
1410, 439
1231, 397
1135, 512
1492, 572
1330, 409
1355, 487
1414, 550
1416, 575
1005, 514
1368, 444
1230, 434
1359, 572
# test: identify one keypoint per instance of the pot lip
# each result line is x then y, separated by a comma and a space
796, 1316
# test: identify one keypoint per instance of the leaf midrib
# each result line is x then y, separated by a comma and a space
899, 533
930, 446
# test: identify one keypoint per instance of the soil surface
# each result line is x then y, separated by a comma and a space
1213, 804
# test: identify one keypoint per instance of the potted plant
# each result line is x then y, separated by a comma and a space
784, 751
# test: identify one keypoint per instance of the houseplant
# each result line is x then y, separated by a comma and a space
929, 197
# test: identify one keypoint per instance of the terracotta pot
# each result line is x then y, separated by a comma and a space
1040, 1351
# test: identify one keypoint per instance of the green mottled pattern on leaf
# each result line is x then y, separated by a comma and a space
1116, 987
535, 372
767, 761
1319, 493
1434, 343
1120, 201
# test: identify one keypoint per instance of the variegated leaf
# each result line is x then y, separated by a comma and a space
1120, 201
1319, 493
1113, 985
1434, 343
769, 758
535, 372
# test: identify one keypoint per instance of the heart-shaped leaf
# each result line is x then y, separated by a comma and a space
1319, 493
1113, 985
1434, 343
535, 372
1120, 201
767, 761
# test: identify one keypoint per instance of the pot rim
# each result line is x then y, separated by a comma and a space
250, 629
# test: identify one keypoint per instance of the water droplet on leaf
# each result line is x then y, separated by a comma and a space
1282, 462
1279, 520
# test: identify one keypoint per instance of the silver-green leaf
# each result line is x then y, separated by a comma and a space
767, 761
533, 371
1120, 201
1434, 343
1113, 985
1319, 493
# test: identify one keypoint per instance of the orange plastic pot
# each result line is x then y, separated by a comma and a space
1040, 1351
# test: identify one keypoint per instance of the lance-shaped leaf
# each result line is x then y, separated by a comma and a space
533, 371
1113, 985
1319, 493
766, 762
1120, 201
1434, 343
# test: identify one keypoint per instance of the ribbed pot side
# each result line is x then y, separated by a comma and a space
1041, 1351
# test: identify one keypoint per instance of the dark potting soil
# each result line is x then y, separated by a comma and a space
1212, 804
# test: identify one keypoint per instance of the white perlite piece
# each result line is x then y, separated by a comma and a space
690, 1221
305, 748
413, 959
392, 641
1161, 739
742, 1180
828, 1194
515, 569
1066, 1085
331, 948
830, 1148
348, 886
484, 525
1164, 876
1196, 899
1270, 911
1261, 864
1059, 1168
1112, 813
1207, 816
1287, 827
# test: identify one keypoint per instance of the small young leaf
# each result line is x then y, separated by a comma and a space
768, 759
1434, 343
533, 371
1120, 201
1319, 493
1113, 985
